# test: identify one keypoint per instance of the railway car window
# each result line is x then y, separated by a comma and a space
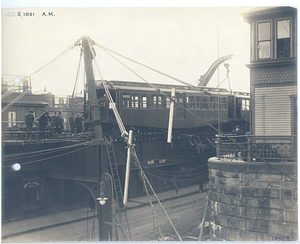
191, 102
144, 102
126, 100
167, 102
223, 102
264, 40
153, 101
211, 104
283, 38
160, 101
245, 105
134, 101
198, 103
204, 104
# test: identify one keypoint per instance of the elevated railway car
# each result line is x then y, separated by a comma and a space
146, 108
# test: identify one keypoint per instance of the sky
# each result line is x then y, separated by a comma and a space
180, 41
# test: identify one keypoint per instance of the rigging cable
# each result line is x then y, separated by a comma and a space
177, 103
28, 90
122, 129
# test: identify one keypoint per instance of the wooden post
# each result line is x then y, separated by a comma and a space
171, 115
203, 221
127, 168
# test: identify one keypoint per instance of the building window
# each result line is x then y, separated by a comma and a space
12, 115
264, 40
283, 38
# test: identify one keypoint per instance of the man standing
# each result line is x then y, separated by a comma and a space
54, 119
29, 119
78, 124
60, 123
43, 122
72, 123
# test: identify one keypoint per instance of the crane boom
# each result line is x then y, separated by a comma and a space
204, 79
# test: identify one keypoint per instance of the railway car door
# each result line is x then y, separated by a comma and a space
238, 107
230, 107
179, 109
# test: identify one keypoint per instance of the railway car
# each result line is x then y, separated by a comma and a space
146, 108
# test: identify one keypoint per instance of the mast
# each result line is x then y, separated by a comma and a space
92, 95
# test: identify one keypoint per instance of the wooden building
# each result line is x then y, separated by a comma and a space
273, 70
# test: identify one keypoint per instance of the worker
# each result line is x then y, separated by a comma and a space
72, 123
29, 119
78, 124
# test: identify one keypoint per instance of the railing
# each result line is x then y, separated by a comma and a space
257, 148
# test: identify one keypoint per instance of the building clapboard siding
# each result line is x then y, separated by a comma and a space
273, 110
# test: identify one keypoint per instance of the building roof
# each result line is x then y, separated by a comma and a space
258, 11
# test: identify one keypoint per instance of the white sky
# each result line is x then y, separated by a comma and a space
182, 42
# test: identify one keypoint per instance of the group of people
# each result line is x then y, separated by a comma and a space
45, 123
53, 124
76, 123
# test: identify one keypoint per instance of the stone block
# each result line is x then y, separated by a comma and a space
229, 234
259, 184
236, 223
228, 174
219, 173
290, 217
258, 226
284, 204
231, 190
259, 192
250, 176
268, 177
286, 194
254, 236
290, 230
276, 228
228, 209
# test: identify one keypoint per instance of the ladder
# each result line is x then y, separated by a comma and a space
114, 172
121, 211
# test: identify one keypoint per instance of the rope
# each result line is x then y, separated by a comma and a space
211, 126
38, 160
50, 62
28, 90
169, 76
76, 79
146, 179
116, 113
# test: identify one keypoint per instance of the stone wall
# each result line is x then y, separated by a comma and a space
252, 201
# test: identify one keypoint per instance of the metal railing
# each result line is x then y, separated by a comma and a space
257, 148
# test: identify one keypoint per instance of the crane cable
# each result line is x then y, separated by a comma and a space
116, 113
28, 90
157, 71
120, 123
207, 123
50, 62
133, 152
